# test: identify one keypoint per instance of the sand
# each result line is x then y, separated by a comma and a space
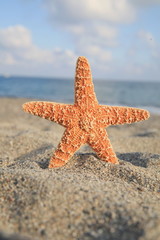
87, 198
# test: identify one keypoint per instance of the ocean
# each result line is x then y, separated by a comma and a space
118, 93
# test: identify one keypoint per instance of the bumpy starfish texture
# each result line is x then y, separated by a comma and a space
86, 120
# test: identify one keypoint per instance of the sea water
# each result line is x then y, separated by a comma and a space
109, 92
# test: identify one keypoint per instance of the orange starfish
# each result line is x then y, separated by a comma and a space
86, 120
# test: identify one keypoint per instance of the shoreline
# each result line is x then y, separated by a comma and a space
87, 198
152, 109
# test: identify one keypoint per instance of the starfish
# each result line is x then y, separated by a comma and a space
85, 120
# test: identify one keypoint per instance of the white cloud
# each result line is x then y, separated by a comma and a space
88, 22
102, 35
70, 11
94, 42
104, 31
17, 50
16, 47
6, 58
15, 37
98, 53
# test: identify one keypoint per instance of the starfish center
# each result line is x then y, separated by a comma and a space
87, 122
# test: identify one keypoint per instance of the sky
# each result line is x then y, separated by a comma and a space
120, 38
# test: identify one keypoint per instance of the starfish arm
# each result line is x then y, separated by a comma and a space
71, 141
84, 88
100, 143
119, 115
60, 113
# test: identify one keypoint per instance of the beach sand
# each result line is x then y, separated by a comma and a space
87, 198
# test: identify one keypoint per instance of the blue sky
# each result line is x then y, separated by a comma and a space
120, 38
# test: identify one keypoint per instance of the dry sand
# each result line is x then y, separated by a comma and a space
86, 199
